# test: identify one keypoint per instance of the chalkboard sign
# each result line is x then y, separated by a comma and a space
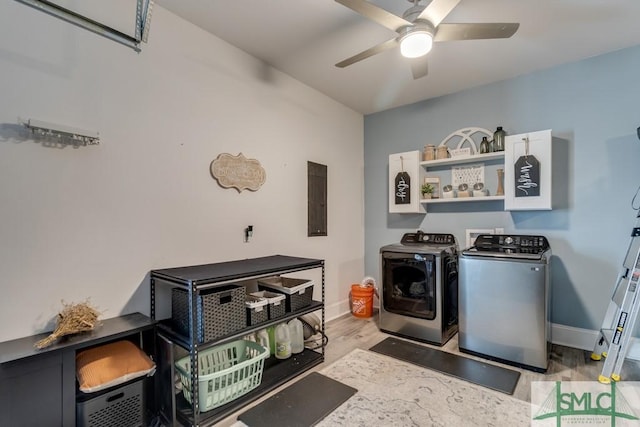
527, 177
403, 188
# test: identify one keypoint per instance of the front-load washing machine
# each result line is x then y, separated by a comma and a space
419, 291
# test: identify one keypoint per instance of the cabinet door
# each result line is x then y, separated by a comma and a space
31, 392
317, 199
405, 182
527, 171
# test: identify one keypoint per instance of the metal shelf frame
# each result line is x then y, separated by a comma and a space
201, 277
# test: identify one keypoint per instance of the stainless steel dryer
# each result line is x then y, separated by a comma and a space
419, 297
505, 300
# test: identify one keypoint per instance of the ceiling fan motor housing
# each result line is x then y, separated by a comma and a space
420, 25
413, 12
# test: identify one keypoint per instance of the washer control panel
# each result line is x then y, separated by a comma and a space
515, 241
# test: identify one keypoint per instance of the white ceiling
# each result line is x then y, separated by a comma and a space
305, 38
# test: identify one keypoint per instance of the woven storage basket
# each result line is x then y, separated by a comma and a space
298, 292
226, 372
276, 303
220, 311
257, 310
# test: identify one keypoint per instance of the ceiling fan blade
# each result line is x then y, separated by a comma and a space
375, 13
419, 67
437, 10
446, 32
389, 44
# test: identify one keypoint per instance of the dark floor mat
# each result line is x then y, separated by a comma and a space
484, 374
304, 403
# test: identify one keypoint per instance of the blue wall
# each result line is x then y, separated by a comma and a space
592, 108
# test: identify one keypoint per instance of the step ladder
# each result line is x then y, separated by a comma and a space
614, 338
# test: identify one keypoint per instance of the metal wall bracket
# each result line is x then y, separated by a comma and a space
64, 134
143, 20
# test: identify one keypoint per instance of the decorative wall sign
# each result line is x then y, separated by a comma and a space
403, 188
238, 172
460, 152
527, 174
405, 179
467, 174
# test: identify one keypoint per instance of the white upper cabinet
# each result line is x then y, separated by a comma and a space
520, 175
527, 171
404, 183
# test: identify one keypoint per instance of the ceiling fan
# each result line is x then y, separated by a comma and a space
419, 27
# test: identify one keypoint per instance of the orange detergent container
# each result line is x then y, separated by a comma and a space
361, 298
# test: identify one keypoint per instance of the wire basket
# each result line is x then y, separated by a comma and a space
226, 372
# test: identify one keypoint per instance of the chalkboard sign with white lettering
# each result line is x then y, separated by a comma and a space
527, 177
527, 174
403, 188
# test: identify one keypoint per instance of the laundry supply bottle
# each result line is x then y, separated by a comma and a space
262, 338
297, 336
283, 341
271, 332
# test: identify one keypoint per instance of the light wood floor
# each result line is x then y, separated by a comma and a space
567, 364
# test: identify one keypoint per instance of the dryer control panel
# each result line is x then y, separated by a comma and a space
428, 238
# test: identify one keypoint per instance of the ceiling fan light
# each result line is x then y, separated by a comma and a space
416, 44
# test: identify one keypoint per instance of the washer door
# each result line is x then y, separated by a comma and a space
409, 284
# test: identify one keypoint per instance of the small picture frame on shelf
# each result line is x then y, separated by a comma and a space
434, 181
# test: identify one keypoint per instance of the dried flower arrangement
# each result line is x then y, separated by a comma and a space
72, 319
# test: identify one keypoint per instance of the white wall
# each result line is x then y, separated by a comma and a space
90, 222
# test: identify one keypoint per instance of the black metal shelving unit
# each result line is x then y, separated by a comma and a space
174, 408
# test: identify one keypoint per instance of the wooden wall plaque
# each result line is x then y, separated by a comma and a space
238, 172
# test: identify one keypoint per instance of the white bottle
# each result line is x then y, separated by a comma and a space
262, 338
297, 336
283, 341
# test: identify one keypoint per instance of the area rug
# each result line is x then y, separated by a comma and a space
396, 393
477, 372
